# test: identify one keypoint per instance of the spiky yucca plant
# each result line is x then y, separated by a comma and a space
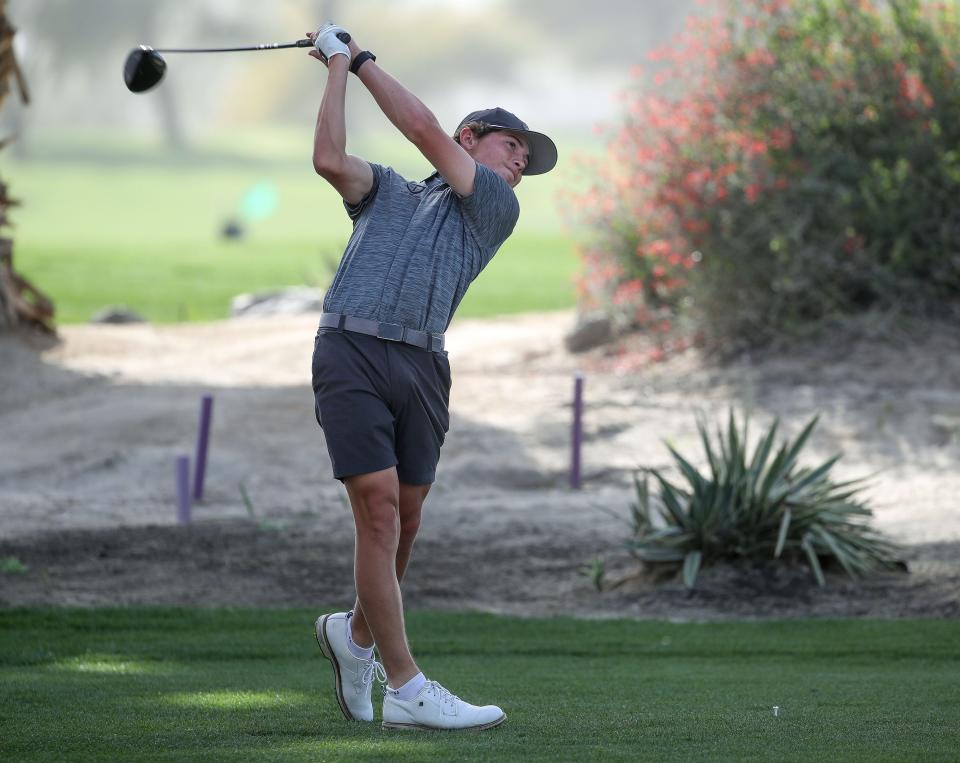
757, 506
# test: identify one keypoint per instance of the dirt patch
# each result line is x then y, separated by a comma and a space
242, 563
92, 427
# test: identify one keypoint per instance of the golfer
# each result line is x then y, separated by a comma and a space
381, 378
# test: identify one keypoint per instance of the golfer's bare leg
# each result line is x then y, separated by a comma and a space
411, 504
375, 499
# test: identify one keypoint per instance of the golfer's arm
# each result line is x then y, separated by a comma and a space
350, 176
419, 125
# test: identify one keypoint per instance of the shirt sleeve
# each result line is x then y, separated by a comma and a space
355, 210
492, 210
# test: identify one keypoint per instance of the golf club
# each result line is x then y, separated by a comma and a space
145, 67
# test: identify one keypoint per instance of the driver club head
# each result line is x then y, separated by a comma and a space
143, 69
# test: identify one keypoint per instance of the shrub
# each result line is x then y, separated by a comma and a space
789, 161
759, 506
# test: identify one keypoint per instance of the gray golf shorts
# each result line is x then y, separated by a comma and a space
380, 404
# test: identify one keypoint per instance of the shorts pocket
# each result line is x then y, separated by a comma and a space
442, 366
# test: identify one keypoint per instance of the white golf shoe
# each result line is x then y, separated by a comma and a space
354, 677
435, 708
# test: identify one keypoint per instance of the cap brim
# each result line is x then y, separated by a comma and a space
543, 151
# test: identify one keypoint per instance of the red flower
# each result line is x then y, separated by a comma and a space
781, 138
912, 88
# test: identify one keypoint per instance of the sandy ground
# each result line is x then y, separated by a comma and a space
91, 427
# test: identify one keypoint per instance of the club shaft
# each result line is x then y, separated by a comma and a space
268, 46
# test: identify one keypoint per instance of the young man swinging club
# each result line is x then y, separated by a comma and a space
381, 379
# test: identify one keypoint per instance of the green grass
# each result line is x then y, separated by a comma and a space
163, 684
107, 220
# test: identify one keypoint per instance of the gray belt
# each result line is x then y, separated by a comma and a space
392, 332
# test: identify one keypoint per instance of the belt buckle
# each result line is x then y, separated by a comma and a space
391, 332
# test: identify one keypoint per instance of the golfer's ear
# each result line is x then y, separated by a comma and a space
447, 156
468, 138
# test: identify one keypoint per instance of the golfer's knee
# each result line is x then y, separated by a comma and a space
411, 506
409, 526
378, 521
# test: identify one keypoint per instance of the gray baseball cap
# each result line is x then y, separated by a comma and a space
543, 151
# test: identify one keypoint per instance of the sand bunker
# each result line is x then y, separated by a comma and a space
92, 425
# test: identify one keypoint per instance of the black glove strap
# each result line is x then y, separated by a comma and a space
360, 59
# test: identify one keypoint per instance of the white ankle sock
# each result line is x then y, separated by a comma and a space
410, 689
360, 652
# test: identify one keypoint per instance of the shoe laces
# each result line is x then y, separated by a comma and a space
373, 670
443, 694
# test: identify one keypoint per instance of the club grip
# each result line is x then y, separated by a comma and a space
344, 37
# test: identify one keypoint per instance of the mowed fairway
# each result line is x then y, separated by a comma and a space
156, 684
120, 223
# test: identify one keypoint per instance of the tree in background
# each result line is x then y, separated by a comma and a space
79, 48
19, 300
447, 53
71, 40
788, 162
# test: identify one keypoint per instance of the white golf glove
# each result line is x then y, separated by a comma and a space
329, 44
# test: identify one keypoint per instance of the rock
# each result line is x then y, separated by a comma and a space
117, 314
292, 301
591, 330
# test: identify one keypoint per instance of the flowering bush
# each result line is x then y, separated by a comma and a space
786, 161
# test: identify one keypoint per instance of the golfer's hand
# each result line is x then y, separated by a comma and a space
328, 44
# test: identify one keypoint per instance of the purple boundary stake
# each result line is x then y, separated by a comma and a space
183, 489
203, 442
576, 438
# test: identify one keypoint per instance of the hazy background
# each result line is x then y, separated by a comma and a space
558, 63
125, 196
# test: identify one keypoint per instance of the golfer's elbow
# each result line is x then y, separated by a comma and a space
328, 164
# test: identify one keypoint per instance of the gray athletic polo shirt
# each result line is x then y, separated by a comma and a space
417, 246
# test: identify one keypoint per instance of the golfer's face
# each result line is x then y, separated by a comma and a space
505, 153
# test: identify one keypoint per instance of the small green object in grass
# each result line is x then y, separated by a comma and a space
247, 502
10, 565
596, 571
